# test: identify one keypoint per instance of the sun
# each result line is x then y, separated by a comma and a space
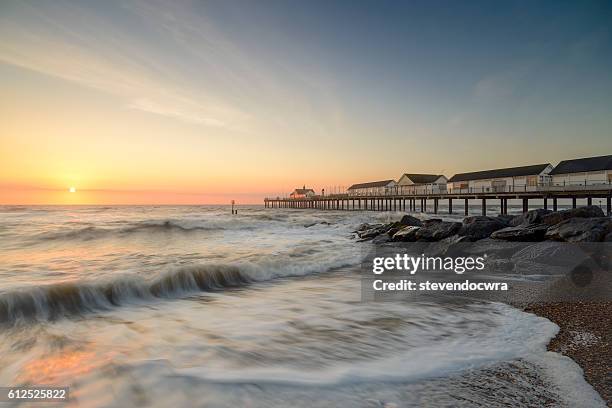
72, 189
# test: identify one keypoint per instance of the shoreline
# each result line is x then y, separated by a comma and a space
585, 337
578, 303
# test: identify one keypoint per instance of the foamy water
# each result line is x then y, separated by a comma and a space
191, 306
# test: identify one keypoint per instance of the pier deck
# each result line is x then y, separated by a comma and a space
410, 202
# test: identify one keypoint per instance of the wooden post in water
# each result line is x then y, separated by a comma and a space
589, 200
484, 206
573, 202
609, 205
233, 207
545, 203
466, 207
450, 205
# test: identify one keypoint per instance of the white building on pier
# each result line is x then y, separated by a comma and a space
512, 179
422, 184
384, 187
588, 171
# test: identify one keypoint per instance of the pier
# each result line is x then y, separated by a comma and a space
421, 202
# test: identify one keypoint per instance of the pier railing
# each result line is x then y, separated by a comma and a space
394, 199
438, 191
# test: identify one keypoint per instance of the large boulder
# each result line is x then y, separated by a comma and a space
373, 231
580, 230
437, 230
590, 211
506, 218
480, 227
530, 217
522, 233
406, 234
409, 220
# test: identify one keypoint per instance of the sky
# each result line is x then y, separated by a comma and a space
202, 102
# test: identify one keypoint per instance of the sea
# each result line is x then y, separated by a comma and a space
192, 306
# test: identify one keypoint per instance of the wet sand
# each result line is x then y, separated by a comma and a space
585, 337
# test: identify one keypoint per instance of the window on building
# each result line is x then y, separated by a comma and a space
532, 181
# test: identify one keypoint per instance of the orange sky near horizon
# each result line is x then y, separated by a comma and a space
97, 197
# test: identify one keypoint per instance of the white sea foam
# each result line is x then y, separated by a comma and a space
516, 335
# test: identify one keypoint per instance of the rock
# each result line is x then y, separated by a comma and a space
608, 237
479, 227
377, 229
393, 230
522, 233
580, 230
409, 220
437, 230
431, 221
381, 239
362, 227
365, 226
505, 218
406, 234
370, 233
590, 211
530, 217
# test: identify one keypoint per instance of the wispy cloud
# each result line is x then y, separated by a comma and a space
104, 57
171, 59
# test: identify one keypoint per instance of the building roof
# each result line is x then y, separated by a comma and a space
302, 190
585, 164
500, 173
371, 184
423, 178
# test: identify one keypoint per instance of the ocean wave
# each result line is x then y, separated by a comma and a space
54, 301
168, 225
50, 302
90, 232
93, 232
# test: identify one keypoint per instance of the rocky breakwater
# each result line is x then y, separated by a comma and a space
584, 224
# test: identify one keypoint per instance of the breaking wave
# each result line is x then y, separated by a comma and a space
51, 302
91, 232
54, 301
